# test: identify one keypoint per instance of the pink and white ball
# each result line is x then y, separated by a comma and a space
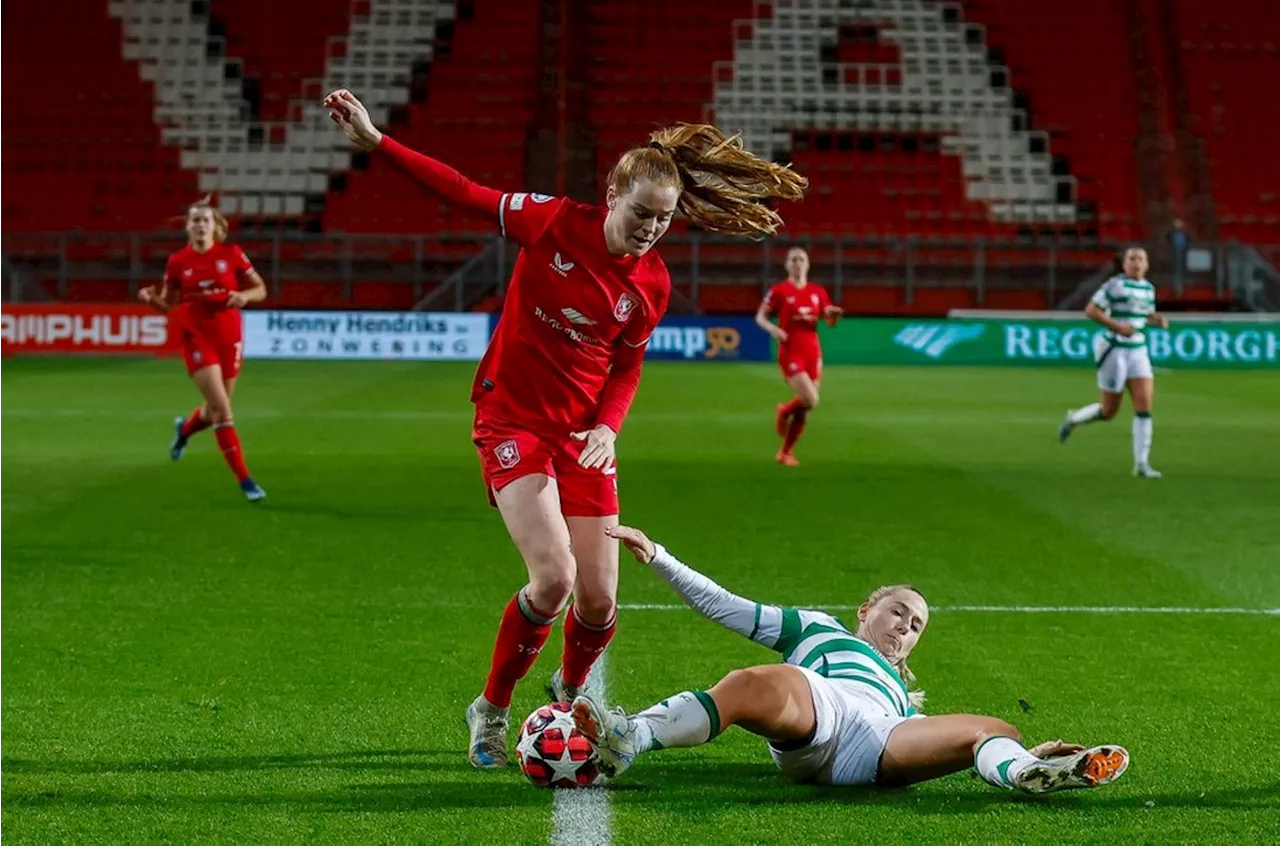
553, 753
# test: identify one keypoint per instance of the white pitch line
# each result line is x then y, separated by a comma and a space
1016, 609
581, 817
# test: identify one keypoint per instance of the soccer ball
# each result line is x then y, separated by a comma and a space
553, 753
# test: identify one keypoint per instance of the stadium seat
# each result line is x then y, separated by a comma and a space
1230, 54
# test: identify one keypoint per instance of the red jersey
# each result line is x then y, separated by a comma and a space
570, 309
799, 308
206, 279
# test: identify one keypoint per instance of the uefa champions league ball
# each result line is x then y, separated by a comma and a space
553, 753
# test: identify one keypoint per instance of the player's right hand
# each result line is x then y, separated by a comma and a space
1124, 330
779, 335
635, 540
146, 295
350, 114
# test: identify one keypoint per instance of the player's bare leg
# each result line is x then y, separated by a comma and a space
773, 701
197, 421
1107, 407
530, 508
592, 619
931, 747
806, 392
1142, 393
217, 406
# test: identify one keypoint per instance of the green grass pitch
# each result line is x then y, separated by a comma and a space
181, 666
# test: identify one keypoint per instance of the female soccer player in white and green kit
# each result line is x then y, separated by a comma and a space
837, 711
1125, 304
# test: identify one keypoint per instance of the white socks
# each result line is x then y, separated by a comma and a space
686, 719
1142, 438
1087, 414
1000, 759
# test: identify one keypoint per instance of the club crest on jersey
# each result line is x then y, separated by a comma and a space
508, 454
626, 305
560, 265
221, 265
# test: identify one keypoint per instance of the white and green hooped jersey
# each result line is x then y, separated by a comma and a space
820, 642
1128, 301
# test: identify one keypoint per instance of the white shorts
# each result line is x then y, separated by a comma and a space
1117, 365
848, 741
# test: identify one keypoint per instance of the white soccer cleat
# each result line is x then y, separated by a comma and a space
1064, 431
612, 732
488, 726
558, 690
1146, 471
1090, 768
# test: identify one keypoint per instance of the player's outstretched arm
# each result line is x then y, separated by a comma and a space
761, 623
436, 176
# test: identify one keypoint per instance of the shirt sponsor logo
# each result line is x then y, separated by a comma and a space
574, 334
575, 316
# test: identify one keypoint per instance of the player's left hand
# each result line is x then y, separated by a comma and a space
1055, 749
598, 451
237, 299
1159, 321
832, 313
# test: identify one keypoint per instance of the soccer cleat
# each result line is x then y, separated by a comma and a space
179, 444
612, 732
1146, 471
786, 459
1064, 431
781, 419
558, 690
1090, 768
488, 726
252, 491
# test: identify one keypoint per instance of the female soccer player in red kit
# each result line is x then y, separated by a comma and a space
205, 285
799, 305
558, 378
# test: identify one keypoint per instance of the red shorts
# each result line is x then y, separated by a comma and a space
796, 362
217, 338
508, 452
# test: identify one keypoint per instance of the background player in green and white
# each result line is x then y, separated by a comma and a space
1125, 304
837, 711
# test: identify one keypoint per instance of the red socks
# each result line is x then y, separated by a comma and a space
583, 643
794, 428
195, 422
523, 631
229, 443
792, 407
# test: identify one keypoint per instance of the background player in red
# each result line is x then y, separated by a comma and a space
799, 304
205, 285
558, 378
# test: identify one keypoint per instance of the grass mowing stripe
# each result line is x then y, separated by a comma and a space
1010, 609
581, 817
